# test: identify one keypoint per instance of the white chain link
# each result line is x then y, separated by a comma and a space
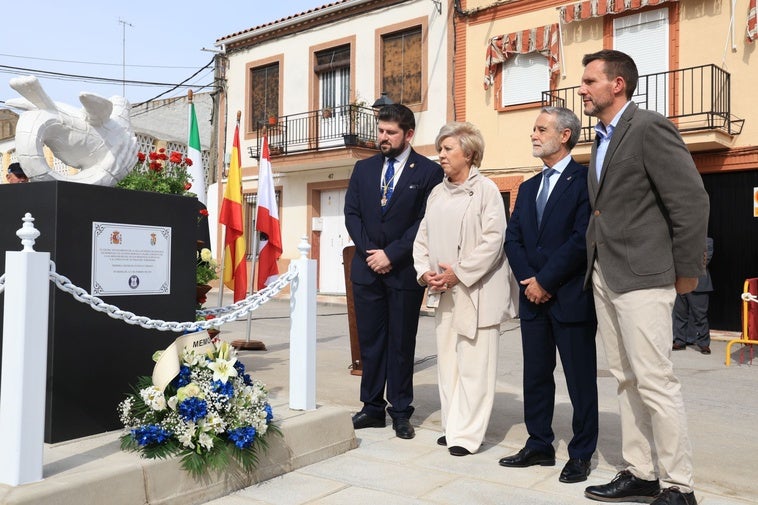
749, 297
2, 283
229, 313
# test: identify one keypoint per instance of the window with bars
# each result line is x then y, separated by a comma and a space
401, 65
265, 94
333, 70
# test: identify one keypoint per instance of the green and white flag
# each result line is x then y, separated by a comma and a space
196, 171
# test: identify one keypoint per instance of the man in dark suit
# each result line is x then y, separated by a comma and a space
384, 204
645, 244
691, 311
545, 245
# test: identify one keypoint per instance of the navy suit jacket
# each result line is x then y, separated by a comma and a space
555, 252
395, 229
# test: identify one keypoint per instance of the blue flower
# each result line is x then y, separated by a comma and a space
240, 367
150, 434
184, 377
223, 388
269, 413
242, 437
247, 380
193, 408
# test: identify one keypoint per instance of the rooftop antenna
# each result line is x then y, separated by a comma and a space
123, 54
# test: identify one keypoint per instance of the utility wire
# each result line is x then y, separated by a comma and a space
89, 62
7, 69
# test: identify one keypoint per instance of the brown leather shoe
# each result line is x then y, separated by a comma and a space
704, 349
678, 347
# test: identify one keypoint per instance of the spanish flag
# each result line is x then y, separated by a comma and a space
235, 264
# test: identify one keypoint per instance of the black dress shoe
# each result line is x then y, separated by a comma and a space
457, 450
442, 440
674, 496
576, 470
625, 487
403, 428
363, 420
529, 457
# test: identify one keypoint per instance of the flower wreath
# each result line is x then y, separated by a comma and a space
211, 412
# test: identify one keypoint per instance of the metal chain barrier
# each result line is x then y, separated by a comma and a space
2, 283
225, 314
749, 297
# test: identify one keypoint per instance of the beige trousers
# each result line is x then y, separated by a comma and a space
466, 373
636, 331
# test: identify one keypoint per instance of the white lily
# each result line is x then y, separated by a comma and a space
223, 369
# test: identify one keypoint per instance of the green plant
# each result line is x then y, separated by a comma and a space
207, 267
160, 173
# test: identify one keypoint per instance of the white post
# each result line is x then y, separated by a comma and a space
303, 331
22, 395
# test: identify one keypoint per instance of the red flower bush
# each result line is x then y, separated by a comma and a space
160, 172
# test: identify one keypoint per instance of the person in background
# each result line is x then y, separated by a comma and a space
384, 204
458, 255
15, 174
691, 311
645, 244
545, 244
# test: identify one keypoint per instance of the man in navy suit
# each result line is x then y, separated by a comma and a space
384, 204
545, 245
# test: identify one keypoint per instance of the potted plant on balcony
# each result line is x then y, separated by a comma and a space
327, 112
351, 137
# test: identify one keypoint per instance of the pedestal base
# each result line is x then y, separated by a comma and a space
249, 345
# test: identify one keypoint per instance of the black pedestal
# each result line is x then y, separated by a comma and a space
92, 359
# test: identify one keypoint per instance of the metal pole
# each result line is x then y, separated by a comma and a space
123, 55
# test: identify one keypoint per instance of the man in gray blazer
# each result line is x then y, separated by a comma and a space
645, 244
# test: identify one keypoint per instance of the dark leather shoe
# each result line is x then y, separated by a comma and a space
457, 450
704, 349
442, 440
529, 457
403, 428
363, 420
678, 347
576, 470
625, 487
674, 496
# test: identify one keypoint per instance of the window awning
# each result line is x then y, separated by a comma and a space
752, 21
543, 40
597, 8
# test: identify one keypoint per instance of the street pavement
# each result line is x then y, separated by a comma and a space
721, 403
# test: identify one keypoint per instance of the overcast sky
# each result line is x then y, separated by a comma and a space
162, 42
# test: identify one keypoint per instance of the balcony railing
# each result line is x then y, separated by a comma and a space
695, 99
318, 130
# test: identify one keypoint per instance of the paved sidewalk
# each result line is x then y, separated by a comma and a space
721, 402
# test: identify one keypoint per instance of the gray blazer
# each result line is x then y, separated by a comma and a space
649, 210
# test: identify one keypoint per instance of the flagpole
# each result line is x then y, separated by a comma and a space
247, 344
256, 242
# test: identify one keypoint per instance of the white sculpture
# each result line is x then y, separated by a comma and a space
96, 139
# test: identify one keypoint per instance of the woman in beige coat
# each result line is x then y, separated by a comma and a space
458, 255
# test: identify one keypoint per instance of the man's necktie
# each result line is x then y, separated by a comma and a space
544, 193
388, 185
